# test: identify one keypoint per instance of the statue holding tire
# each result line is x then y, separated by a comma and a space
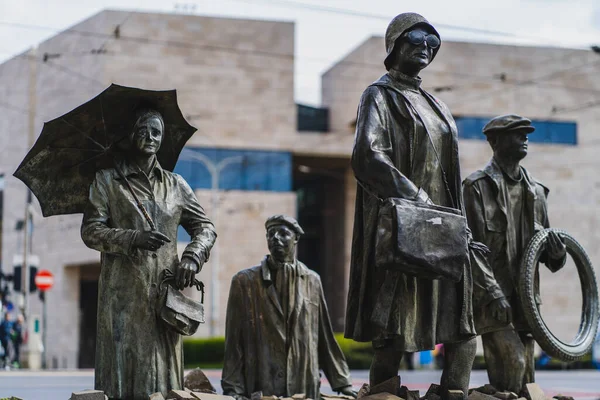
507, 210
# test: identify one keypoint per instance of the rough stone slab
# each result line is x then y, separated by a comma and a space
88, 395
392, 386
456, 395
256, 395
180, 395
364, 391
210, 396
409, 394
197, 381
485, 389
157, 396
506, 395
434, 388
382, 396
475, 395
535, 392
335, 396
299, 396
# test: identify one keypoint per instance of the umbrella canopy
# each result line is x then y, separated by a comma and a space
62, 163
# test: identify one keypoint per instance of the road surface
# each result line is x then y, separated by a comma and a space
58, 385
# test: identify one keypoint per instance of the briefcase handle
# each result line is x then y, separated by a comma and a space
168, 276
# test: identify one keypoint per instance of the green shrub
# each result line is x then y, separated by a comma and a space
209, 352
358, 354
204, 352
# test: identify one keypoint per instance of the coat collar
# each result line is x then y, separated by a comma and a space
493, 170
404, 81
130, 169
266, 272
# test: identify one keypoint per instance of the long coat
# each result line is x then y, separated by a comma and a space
486, 205
261, 356
384, 303
135, 354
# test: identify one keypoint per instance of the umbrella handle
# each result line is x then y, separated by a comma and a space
137, 200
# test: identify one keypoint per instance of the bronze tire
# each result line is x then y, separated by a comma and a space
581, 345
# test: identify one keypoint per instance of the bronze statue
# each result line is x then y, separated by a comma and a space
278, 333
505, 207
406, 147
136, 354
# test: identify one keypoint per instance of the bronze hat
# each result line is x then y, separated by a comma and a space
506, 123
281, 219
400, 24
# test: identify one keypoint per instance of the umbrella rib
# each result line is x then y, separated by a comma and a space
77, 148
83, 133
85, 161
103, 123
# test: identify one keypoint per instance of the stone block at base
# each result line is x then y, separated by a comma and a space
535, 392
88, 395
180, 395
156, 396
381, 396
210, 396
475, 395
197, 381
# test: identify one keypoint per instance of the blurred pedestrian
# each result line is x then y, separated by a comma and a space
17, 339
6, 327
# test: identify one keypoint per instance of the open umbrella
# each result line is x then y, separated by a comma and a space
62, 163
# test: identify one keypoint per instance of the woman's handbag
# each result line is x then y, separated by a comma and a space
178, 312
420, 239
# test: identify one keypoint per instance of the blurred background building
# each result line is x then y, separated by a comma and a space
235, 83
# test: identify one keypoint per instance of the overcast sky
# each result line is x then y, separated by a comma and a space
326, 30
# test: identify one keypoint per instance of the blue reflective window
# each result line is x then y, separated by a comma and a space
554, 132
248, 170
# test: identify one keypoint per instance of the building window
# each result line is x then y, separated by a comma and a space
241, 170
248, 169
553, 132
312, 119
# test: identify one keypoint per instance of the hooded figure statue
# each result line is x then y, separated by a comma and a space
406, 147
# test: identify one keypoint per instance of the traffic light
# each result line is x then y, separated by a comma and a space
18, 277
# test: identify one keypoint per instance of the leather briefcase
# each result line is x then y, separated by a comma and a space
177, 311
420, 239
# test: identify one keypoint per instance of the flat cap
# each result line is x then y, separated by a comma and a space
506, 123
281, 219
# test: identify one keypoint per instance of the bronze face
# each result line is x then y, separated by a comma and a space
511, 145
281, 241
147, 136
411, 58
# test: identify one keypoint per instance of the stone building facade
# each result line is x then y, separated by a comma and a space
234, 80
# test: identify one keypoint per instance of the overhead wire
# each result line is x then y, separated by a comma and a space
111, 36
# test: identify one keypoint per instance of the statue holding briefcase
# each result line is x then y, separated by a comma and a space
410, 280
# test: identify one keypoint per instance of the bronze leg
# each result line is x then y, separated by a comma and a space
458, 362
505, 359
385, 364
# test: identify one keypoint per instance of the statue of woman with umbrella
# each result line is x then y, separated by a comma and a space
111, 159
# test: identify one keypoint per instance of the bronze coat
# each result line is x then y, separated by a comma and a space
486, 208
261, 356
135, 354
382, 302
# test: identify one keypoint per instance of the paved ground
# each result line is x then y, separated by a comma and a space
58, 385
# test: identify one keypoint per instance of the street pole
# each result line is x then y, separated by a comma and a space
44, 319
30, 137
215, 171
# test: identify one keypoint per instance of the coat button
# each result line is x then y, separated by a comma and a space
280, 374
154, 255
